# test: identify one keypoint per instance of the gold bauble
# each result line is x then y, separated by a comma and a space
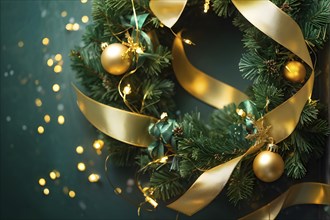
294, 71
113, 59
268, 165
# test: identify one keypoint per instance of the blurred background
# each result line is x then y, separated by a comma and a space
50, 159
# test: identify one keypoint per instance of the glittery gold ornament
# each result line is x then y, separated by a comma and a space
115, 59
294, 71
268, 165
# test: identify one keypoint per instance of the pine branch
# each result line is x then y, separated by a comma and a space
241, 183
166, 184
267, 96
223, 8
156, 62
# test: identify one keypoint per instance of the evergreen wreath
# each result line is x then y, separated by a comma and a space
191, 144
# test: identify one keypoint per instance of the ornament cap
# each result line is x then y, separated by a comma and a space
272, 148
104, 45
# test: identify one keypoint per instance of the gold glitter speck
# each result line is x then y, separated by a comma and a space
41, 130
46, 191
56, 87
72, 194
52, 175
50, 62
75, 27
45, 41
47, 118
84, 19
38, 102
79, 150
64, 14
81, 167
58, 57
93, 178
57, 173
98, 144
65, 190
118, 191
57, 69
20, 44
61, 119
69, 27
42, 182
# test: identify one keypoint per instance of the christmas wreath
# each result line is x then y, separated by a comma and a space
127, 68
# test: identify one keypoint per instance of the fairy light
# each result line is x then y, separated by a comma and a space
187, 41
163, 115
139, 50
127, 89
163, 159
93, 178
151, 201
241, 112
83, 1
98, 144
206, 6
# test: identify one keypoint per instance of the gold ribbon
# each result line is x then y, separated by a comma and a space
199, 84
302, 193
269, 19
168, 12
127, 127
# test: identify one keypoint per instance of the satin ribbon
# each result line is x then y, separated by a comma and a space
127, 127
199, 84
273, 22
168, 12
302, 193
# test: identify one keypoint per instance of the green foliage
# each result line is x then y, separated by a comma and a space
167, 184
157, 61
241, 184
267, 97
121, 154
201, 145
223, 7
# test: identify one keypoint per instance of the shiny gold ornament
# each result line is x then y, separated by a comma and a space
294, 71
115, 60
268, 165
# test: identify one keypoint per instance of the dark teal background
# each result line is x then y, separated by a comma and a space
27, 156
